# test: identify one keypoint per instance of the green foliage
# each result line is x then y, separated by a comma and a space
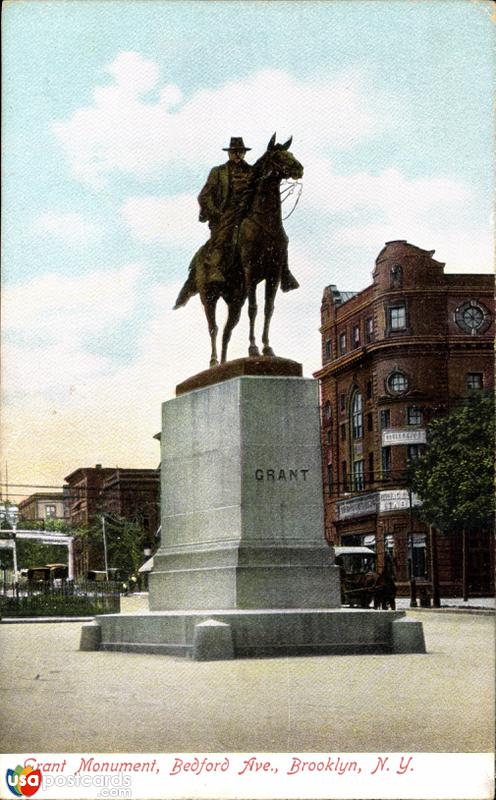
49, 525
31, 552
454, 478
125, 543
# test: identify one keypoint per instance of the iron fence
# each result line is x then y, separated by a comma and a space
64, 599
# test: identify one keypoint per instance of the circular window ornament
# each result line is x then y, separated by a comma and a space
472, 317
397, 382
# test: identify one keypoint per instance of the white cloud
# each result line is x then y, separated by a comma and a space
71, 227
133, 73
377, 208
125, 131
171, 220
52, 369
388, 190
60, 307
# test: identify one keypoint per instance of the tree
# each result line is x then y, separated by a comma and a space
125, 543
454, 477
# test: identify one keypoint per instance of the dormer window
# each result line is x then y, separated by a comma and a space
396, 276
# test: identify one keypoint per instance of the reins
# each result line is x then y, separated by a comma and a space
287, 191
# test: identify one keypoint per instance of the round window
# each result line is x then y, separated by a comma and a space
397, 382
472, 317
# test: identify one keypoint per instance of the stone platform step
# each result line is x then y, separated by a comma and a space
226, 634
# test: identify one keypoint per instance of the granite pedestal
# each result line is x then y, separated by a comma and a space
243, 568
242, 508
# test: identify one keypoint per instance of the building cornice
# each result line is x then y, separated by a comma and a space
411, 345
343, 313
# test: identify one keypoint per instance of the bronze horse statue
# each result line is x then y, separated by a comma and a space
260, 252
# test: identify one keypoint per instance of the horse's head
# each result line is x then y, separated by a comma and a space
280, 162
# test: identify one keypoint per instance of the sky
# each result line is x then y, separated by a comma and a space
113, 114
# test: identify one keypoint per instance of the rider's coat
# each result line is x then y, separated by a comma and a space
222, 189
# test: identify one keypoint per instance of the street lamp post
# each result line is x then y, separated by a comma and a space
413, 585
10, 513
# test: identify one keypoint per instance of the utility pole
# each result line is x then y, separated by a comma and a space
465, 581
436, 600
105, 547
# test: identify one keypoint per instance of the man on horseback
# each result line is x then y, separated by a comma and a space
224, 200
247, 245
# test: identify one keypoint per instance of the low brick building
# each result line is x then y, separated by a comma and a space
85, 493
44, 506
394, 356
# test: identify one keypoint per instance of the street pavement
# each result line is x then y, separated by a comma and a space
57, 699
473, 604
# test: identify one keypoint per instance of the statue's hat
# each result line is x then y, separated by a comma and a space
236, 143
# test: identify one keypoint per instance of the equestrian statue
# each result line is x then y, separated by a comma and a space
247, 244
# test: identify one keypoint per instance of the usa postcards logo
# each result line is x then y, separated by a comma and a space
23, 781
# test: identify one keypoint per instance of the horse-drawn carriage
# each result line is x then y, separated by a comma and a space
360, 583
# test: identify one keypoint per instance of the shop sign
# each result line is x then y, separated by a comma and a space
403, 436
357, 506
396, 500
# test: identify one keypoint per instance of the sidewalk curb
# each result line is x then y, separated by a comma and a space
485, 612
31, 620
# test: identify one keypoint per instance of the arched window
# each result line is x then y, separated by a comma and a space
357, 415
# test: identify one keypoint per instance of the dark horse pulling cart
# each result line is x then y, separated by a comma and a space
360, 583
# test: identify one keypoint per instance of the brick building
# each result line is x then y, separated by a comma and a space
131, 494
394, 356
85, 493
44, 506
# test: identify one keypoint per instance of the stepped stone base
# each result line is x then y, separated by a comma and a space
243, 569
229, 634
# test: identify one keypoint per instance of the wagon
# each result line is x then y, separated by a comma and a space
360, 583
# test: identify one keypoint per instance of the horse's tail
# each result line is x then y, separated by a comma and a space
190, 287
189, 290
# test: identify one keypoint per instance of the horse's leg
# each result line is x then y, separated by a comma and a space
270, 294
209, 305
252, 314
233, 316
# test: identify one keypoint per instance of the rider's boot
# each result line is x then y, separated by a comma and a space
288, 280
214, 267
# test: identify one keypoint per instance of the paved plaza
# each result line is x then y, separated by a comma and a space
56, 699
